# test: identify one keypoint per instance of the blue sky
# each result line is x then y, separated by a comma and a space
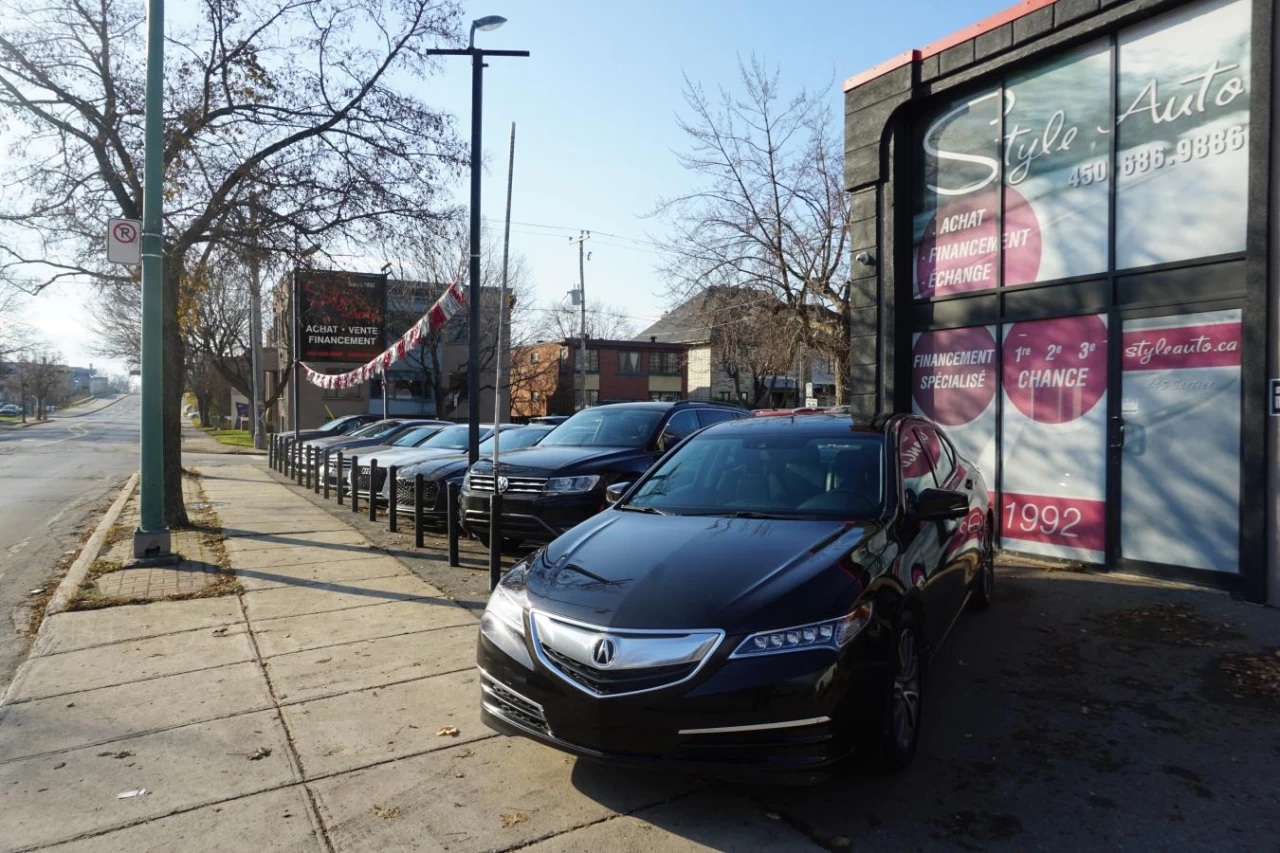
596, 107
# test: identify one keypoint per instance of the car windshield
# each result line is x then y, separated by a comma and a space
605, 427
375, 429
335, 423
775, 475
413, 436
451, 438
513, 439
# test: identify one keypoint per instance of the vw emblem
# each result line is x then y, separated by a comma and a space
603, 651
503, 483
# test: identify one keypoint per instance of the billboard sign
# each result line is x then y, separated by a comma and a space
342, 316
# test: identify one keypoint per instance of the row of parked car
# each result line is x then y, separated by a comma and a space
714, 591
554, 472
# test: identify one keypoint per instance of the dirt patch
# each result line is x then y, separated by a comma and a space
1252, 676
1175, 623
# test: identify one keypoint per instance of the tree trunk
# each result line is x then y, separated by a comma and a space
175, 511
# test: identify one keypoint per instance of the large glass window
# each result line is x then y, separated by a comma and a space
1167, 129
1054, 427
953, 381
1182, 115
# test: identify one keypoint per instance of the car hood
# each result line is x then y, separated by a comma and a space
437, 468
540, 461
633, 570
387, 455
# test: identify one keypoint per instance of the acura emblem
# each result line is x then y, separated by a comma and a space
603, 651
503, 482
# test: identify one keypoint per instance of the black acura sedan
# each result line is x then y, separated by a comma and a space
764, 599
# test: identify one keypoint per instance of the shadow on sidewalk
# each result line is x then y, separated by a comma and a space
339, 588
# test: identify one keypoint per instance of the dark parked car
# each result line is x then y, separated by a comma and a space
549, 488
548, 420
417, 434
764, 600
438, 473
338, 426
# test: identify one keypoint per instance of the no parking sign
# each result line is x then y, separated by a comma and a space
124, 244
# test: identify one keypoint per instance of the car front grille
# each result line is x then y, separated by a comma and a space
404, 493
505, 702
605, 682
515, 485
362, 479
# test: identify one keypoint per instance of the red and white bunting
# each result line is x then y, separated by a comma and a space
439, 313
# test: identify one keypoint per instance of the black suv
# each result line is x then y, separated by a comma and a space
560, 482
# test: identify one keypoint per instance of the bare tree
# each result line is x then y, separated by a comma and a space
305, 104
564, 321
434, 259
753, 338
768, 211
47, 380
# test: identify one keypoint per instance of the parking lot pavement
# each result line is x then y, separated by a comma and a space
333, 707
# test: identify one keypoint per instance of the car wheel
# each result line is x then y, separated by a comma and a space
984, 588
900, 719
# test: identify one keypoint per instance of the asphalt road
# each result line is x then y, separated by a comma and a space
52, 477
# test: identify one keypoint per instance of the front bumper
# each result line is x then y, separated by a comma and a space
531, 518
798, 713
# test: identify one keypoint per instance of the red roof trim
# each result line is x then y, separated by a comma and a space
999, 19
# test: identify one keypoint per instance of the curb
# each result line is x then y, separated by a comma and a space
75, 576
91, 411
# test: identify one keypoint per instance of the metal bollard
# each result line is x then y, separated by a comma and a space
453, 510
391, 499
284, 461
495, 537
297, 464
315, 483
341, 482
309, 465
326, 474
373, 497
355, 472
417, 511
271, 453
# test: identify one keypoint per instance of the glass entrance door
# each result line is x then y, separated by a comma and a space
1178, 438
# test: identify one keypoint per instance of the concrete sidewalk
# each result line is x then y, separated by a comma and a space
308, 713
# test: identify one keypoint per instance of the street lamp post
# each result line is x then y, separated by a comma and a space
489, 22
151, 538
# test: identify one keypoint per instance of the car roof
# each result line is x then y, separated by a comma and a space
815, 423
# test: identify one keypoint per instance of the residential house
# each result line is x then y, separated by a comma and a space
545, 378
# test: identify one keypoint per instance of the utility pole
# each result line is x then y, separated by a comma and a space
151, 538
255, 326
581, 240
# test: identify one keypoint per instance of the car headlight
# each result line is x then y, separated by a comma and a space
830, 634
503, 624
571, 485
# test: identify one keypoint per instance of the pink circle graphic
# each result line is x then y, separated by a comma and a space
953, 374
959, 252
1056, 370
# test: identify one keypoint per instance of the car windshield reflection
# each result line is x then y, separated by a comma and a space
740, 476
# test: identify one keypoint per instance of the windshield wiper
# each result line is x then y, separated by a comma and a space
652, 510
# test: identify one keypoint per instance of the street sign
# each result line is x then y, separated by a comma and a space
811, 402
124, 241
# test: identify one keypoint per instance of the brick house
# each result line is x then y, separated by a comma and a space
544, 375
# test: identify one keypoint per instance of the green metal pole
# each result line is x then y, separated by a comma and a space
152, 539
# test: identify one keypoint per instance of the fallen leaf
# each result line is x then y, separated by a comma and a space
447, 731
124, 795
324, 660
220, 632
260, 753
387, 813
511, 819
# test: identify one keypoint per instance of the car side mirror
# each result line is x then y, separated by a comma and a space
940, 505
614, 493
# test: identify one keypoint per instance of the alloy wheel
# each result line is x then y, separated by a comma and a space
906, 691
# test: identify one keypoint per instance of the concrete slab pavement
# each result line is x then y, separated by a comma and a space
1081, 713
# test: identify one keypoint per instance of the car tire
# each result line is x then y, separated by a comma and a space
982, 596
899, 729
